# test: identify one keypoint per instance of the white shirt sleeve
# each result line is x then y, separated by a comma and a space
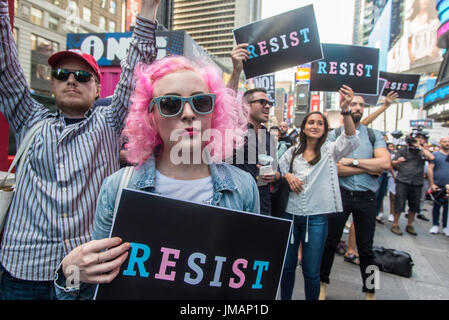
284, 161
344, 145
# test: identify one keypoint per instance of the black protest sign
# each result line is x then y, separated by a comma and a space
354, 66
268, 83
279, 42
184, 250
404, 84
372, 100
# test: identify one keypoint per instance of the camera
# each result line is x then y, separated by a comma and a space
410, 141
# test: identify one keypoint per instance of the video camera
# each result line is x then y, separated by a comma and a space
410, 140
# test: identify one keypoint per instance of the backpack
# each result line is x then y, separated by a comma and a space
371, 136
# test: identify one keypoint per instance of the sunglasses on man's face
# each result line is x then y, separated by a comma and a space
171, 106
64, 74
263, 102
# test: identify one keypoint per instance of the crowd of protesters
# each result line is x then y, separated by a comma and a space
61, 216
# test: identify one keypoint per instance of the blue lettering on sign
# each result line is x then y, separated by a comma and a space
133, 260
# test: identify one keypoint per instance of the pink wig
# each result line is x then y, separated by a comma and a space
228, 117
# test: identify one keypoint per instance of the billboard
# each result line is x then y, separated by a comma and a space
418, 45
110, 48
380, 36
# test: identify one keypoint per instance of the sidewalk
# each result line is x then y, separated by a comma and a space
430, 278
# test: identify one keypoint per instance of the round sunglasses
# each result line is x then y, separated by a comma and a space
64, 74
172, 106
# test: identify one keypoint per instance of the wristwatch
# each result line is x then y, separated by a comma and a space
355, 162
346, 113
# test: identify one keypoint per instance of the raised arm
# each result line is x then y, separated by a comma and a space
16, 102
238, 55
389, 99
346, 96
142, 49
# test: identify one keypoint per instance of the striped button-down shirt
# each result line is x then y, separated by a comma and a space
53, 208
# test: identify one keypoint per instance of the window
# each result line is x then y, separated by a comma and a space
43, 46
56, 2
112, 7
111, 26
36, 16
102, 22
41, 50
73, 7
103, 4
87, 14
53, 23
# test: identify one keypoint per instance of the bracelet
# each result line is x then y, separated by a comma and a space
346, 113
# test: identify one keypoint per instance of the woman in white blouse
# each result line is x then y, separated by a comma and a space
315, 192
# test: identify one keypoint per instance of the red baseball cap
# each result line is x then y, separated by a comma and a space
55, 58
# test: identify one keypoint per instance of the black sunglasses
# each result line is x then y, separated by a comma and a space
64, 74
171, 106
263, 102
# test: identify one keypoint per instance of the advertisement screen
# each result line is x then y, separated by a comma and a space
418, 44
380, 36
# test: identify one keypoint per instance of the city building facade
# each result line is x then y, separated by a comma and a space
210, 22
40, 29
412, 49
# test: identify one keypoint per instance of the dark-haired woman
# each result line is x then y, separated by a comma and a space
314, 193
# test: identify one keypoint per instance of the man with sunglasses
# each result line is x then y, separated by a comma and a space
53, 208
258, 140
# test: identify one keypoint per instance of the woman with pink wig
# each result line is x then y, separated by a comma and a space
182, 124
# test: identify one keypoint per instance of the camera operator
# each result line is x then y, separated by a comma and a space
438, 174
409, 162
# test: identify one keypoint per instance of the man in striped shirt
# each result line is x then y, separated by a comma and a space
53, 208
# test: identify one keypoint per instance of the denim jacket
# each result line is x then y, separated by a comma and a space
233, 189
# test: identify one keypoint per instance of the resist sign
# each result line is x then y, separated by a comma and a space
404, 84
184, 250
280, 42
355, 66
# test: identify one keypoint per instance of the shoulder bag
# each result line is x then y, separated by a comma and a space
280, 194
7, 186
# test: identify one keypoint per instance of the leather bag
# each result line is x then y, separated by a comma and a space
393, 261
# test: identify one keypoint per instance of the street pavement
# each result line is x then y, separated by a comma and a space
430, 276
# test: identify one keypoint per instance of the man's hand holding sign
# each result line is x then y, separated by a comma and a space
279, 42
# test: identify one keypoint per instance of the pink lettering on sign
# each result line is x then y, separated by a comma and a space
166, 252
399, 86
263, 48
238, 273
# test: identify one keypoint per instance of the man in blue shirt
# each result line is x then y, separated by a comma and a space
358, 184
438, 175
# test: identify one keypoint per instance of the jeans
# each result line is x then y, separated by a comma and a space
362, 205
383, 185
311, 255
436, 213
16, 289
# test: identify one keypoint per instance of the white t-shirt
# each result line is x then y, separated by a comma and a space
197, 190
